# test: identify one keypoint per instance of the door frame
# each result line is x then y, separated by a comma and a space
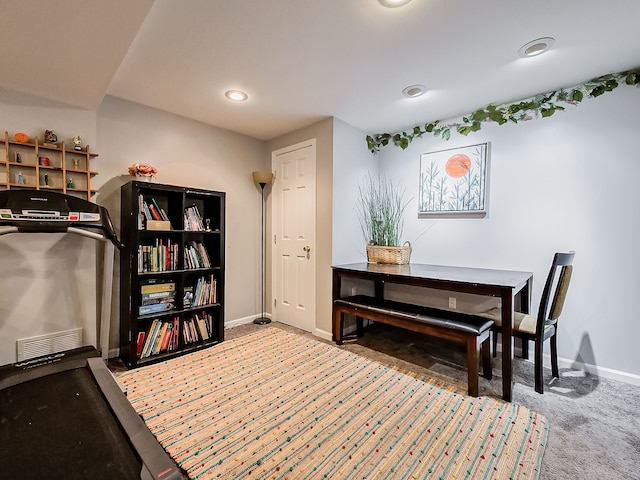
274, 228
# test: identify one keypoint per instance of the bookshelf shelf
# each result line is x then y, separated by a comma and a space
171, 271
43, 167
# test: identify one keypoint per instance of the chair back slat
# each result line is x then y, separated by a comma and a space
561, 292
557, 290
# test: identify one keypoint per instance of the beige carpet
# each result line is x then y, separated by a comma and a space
274, 404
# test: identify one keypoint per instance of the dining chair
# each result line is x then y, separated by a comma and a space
542, 326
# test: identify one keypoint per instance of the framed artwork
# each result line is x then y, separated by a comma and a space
454, 181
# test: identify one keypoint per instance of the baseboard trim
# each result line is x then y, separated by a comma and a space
245, 320
323, 334
603, 372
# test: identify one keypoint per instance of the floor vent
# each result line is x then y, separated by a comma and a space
47, 344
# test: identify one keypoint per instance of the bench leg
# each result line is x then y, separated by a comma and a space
472, 366
338, 322
487, 369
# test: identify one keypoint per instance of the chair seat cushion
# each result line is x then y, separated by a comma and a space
521, 321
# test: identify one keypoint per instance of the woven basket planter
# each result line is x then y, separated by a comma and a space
392, 255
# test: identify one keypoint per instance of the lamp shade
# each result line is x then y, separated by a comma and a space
262, 177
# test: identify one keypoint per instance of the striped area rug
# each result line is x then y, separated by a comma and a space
276, 405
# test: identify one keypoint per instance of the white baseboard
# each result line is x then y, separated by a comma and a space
323, 334
603, 372
244, 320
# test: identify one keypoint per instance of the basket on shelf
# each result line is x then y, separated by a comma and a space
393, 255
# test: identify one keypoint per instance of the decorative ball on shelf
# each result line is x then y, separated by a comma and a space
21, 137
77, 143
50, 136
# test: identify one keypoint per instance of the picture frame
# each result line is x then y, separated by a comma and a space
454, 181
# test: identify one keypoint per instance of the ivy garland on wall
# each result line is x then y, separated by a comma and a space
541, 105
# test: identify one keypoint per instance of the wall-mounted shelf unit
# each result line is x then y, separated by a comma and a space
171, 271
42, 166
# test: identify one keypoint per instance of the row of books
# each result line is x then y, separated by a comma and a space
193, 219
150, 210
196, 256
160, 257
159, 296
199, 327
205, 291
162, 336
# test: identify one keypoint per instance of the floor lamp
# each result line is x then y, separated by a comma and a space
262, 179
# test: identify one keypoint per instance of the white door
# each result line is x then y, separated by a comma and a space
294, 228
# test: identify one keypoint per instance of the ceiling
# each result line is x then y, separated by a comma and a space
304, 60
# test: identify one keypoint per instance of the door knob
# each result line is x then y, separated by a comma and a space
307, 248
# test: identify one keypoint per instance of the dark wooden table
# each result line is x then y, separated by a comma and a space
504, 284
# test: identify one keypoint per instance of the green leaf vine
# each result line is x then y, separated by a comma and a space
541, 105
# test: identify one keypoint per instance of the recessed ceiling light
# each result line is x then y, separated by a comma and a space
394, 3
236, 95
414, 91
536, 47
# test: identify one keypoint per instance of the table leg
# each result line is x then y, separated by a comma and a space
507, 344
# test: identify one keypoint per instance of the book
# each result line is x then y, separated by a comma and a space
140, 343
151, 336
157, 286
155, 214
166, 337
157, 295
202, 327
156, 308
187, 299
189, 332
154, 301
147, 213
163, 215
155, 349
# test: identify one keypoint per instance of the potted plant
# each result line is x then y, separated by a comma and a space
381, 206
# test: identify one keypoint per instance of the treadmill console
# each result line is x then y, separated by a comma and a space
44, 211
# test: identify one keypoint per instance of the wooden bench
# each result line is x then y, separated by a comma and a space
470, 330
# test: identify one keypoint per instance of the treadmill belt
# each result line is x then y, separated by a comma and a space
59, 427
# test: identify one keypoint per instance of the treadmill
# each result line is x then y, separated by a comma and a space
63, 415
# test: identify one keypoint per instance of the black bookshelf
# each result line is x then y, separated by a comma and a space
171, 271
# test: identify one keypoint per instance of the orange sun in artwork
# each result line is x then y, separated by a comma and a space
458, 165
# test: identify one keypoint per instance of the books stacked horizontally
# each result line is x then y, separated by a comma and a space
193, 220
150, 210
196, 256
199, 327
162, 337
204, 291
157, 296
159, 257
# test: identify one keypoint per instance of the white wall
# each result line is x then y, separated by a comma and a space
352, 163
568, 182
